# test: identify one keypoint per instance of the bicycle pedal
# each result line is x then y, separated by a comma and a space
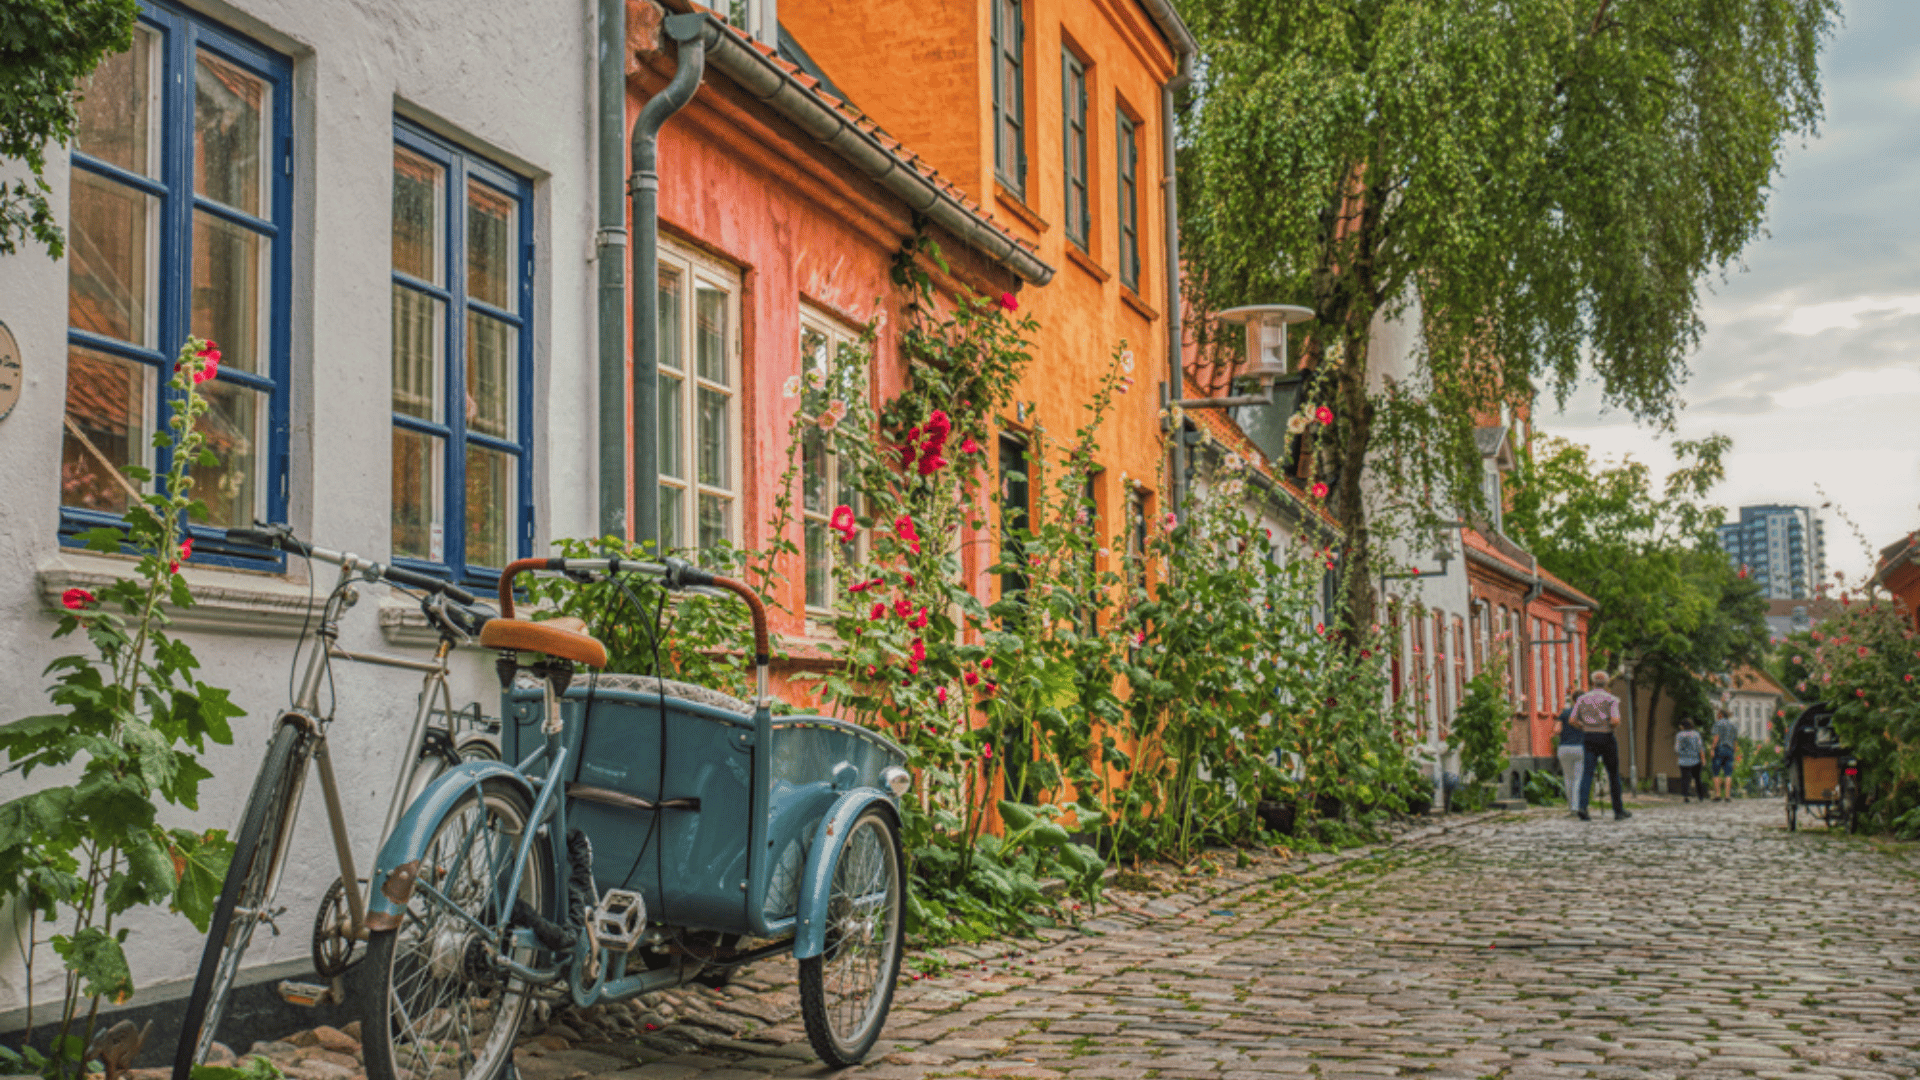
306, 994
619, 920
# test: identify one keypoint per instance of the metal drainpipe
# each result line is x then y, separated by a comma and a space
644, 188
1176, 383
611, 125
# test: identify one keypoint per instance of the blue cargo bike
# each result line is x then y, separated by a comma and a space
638, 833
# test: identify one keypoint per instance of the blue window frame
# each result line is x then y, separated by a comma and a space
462, 303
182, 194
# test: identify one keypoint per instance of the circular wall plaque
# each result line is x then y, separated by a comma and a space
9, 371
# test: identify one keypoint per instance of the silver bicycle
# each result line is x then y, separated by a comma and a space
299, 736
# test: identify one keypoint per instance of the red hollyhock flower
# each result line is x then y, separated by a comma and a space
931, 463
76, 599
878, 610
919, 621
971, 678
903, 528
940, 424
992, 688
919, 651
1008, 303
902, 607
842, 522
987, 751
968, 446
986, 664
210, 364
186, 548
859, 586
1319, 490
1323, 414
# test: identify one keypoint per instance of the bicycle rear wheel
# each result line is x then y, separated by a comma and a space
846, 991
437, 1007
242, 906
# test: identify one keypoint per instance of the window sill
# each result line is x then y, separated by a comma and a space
225, 601
1085, 262
1146, 311
1017, 206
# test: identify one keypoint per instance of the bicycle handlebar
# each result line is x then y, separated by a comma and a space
399, 575
675, 574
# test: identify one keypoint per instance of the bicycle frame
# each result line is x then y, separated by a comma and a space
305, 710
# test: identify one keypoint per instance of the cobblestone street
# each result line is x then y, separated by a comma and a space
1692, 941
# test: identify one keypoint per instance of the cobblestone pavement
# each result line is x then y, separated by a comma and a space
1694, 941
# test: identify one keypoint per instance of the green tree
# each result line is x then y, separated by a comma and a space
1549, 181
1669, 600
46, 48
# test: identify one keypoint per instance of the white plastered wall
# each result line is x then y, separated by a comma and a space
510, 80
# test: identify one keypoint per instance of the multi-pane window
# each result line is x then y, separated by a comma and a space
181, 198
1009, 95
1073, 99
462, 358
1127, 138
1442, 703
699, 426
826, 478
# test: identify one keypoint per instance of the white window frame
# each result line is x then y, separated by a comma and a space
697, 271
837, 333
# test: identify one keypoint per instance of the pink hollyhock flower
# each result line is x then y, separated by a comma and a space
940, 695
987, 751
968, 446
919, 651
1908, 676
1008, 303
842, 522
991, 689
902, 607
1319, 490
903, 528
878, 610
871, 670
1169, 522
1320, 628
913, 668
186, 548
1140, 640
76, 599
1797, 660
1324, 415
1862, 650
209, 364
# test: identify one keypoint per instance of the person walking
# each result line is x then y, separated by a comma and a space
1598, 714
1726, 742
1573, 753
1687, 749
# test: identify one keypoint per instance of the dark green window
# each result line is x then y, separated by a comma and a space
1129, 172
1009, 96
1073, 96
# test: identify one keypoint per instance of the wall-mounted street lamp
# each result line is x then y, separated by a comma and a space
1442, 553
1267, 364
1569, 622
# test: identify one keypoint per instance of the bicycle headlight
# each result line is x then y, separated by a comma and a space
897, 779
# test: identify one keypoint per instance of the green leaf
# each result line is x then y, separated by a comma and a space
100, 962
201, 862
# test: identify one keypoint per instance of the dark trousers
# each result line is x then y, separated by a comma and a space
1604, 748
1690, 782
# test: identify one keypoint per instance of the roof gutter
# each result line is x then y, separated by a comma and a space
766, 81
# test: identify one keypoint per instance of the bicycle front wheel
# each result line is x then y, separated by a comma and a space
242, 906
438, 1006
846, 991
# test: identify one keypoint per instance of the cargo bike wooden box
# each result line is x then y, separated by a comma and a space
638, 833
1822, 775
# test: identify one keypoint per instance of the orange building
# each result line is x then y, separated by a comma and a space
1053, 114
776, 245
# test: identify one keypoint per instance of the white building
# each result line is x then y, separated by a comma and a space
1783, 548
384, 215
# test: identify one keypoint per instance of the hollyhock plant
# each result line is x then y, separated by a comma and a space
842, 522
76, 599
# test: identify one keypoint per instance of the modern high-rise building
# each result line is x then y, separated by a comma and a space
1784, 548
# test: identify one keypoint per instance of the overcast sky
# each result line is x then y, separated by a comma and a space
1811, 360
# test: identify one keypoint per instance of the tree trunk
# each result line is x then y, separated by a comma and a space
1653, 718
1355, 426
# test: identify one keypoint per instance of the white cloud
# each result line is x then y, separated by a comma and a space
1811, 319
